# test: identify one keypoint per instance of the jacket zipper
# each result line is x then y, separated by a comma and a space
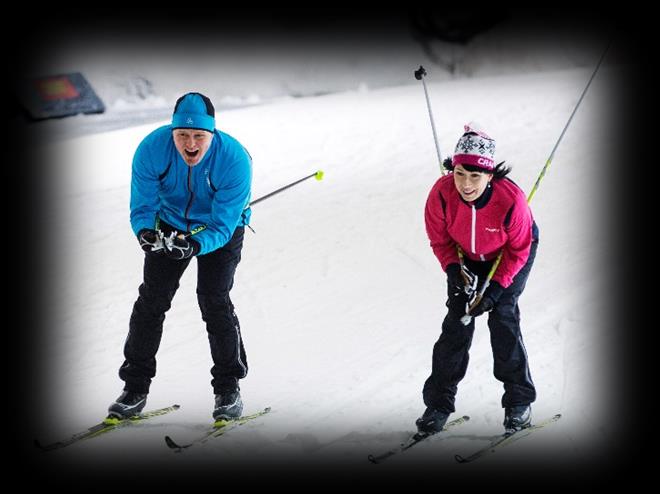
192, 196
473, 229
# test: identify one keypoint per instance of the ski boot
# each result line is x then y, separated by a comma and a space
127, 405
228, 405
431, 421
517, 418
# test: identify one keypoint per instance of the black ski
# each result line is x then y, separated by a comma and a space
219, 428
415, 439
505, 439
108, 424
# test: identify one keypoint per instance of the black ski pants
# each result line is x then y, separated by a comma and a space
215, 278
450, 353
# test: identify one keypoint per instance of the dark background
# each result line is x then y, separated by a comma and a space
630, 179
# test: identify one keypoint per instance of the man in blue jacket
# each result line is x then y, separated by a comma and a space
190, 191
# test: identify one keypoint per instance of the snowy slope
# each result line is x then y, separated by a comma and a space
339, 295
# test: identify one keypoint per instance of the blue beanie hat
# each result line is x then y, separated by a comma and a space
194, 111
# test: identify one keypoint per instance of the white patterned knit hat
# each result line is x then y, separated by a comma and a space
476, 148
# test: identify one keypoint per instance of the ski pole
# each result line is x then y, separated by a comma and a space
318, 175
467, 317
419, 75
552, 153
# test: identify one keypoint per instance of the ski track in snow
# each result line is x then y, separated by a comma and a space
339, 295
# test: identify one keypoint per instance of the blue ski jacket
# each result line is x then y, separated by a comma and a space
209, 199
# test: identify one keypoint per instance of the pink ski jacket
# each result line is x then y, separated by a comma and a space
499, 219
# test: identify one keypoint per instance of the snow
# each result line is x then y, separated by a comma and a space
339, 295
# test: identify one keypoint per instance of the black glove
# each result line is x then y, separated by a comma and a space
150, 240
455, 281
176, 247
488, 301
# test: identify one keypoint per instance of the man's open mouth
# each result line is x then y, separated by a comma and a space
191, 154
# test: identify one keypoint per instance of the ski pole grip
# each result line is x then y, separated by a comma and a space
467, 317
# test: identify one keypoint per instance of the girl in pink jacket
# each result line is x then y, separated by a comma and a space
477, 211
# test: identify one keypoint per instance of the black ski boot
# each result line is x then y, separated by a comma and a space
431, 421
127, 405
228, 405
517, 418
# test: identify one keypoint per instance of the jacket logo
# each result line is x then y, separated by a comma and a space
492, 230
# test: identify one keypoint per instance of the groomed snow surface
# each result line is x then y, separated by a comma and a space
339, 295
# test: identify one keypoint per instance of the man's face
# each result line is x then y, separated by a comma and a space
192, 144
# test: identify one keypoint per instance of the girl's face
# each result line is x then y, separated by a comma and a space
470, 185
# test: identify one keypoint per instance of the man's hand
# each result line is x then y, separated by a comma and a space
150, 240
179, 247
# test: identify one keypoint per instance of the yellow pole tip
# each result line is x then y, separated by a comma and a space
319, 175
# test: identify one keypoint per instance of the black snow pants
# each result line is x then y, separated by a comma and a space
215, 278
450, 353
